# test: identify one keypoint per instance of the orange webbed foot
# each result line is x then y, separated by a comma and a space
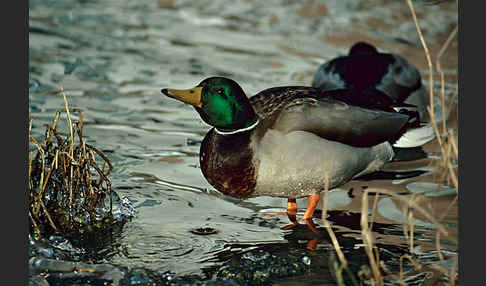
307, 218
310, 224
311, 207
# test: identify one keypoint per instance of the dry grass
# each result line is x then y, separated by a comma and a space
66, 184
447, 139
373, 274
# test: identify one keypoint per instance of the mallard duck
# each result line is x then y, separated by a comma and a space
366, 70
288, 141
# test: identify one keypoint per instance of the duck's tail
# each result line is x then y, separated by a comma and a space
416, 136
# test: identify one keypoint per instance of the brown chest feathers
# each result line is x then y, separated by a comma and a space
227, 163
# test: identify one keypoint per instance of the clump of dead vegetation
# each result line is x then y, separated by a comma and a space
69, 189
376, 272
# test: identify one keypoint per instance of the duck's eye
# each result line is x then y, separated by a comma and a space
221, 92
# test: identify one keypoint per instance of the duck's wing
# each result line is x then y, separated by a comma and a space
328, 77
400, 80
338, 121
269, 102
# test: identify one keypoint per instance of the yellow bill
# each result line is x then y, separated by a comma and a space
191, 96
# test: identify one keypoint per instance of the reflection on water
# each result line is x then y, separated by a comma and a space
112, 58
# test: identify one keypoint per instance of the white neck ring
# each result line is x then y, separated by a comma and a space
238, 130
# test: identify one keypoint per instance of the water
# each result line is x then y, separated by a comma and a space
113, 57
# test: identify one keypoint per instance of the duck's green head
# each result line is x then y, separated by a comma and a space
220, 101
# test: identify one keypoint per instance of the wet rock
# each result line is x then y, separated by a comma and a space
258, 256
72, 273
170, 278
204, 231
139, 277
38, 281
55, 247
260, 267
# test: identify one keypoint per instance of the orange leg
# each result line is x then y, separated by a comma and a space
311, 206
291, 206
291, 213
